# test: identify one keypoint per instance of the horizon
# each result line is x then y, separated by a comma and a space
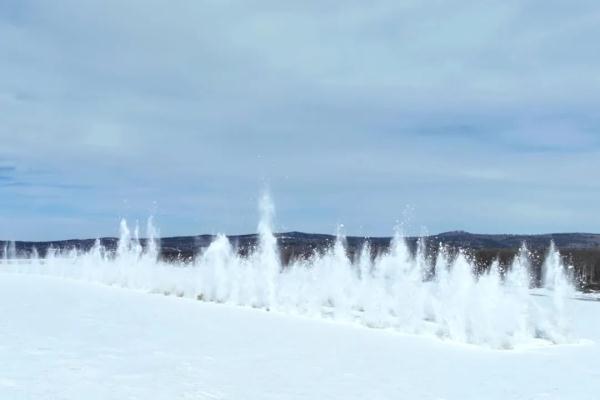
276, 233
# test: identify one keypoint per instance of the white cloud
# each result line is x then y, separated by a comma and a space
346, 106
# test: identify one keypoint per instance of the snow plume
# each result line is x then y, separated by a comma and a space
9, 252
396, 290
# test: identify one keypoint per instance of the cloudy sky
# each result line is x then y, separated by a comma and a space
474, 115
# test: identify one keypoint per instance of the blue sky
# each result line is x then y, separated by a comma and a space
473, 115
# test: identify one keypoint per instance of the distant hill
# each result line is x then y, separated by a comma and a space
480, 241
459, 239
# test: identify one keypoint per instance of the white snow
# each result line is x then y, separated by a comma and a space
67, 339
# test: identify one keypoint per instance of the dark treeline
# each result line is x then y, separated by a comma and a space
581, 251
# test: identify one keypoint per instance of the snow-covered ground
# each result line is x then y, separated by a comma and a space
66, 339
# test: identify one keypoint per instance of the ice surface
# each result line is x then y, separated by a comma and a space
66, 339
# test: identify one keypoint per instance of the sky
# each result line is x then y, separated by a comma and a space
440, 115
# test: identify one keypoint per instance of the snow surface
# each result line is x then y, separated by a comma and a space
66, 339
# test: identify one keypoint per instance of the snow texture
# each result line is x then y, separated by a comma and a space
66, 339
